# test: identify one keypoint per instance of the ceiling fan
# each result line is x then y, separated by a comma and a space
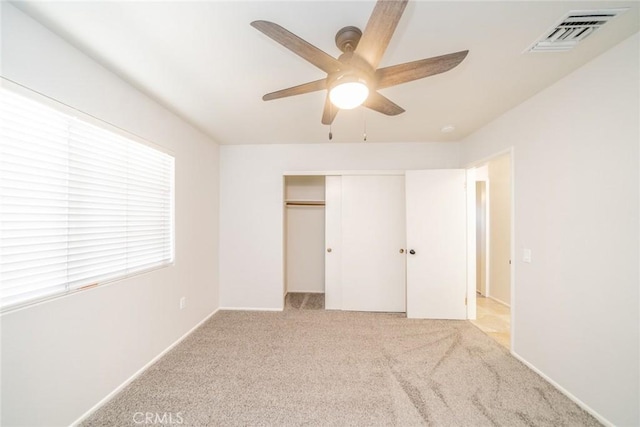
354, 78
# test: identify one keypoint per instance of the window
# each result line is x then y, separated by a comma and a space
79, 205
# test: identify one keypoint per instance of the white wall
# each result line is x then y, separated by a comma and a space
251, 197
576, 163
305, 249
62, 357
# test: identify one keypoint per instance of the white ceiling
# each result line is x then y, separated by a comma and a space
207, 64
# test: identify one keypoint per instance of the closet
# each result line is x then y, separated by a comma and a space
392, 242
304, 218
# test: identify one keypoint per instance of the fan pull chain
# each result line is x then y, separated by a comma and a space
364, 119
330, 132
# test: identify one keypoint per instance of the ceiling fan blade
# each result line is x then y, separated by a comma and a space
298, 46
409, 71
297, 90
383, 105
329, 112
379, 30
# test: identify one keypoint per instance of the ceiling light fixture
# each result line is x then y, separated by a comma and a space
348, 92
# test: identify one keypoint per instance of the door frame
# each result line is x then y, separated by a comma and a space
484, 177
512, 271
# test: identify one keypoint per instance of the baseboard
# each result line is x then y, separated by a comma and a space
250, 309
305, 292
579, 402
128, 381
499, 301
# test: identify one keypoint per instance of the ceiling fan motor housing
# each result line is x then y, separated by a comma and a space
353, 66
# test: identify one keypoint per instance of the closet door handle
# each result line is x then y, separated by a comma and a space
401, 251
329, 250
412, 252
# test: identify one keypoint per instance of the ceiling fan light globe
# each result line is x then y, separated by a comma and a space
349, 95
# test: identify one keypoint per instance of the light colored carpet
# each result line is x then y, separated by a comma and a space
304, 301
316, 367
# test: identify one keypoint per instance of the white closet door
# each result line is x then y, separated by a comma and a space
333, 243
436, 233
373, 232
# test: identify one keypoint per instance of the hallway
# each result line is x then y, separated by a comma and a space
494, 319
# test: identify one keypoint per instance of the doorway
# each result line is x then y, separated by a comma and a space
304, 241
494, 201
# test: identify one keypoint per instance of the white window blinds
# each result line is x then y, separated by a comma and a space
79, 205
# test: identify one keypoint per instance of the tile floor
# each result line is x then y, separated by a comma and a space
494, 319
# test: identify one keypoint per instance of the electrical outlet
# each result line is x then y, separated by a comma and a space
183, 302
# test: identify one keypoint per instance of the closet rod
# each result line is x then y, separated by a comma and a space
304, 203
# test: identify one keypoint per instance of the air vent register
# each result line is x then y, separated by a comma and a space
576, 26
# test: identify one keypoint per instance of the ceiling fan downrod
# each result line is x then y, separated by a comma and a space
347, 38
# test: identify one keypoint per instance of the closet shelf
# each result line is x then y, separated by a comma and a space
303, 202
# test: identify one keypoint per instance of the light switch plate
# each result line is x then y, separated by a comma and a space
526, 255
